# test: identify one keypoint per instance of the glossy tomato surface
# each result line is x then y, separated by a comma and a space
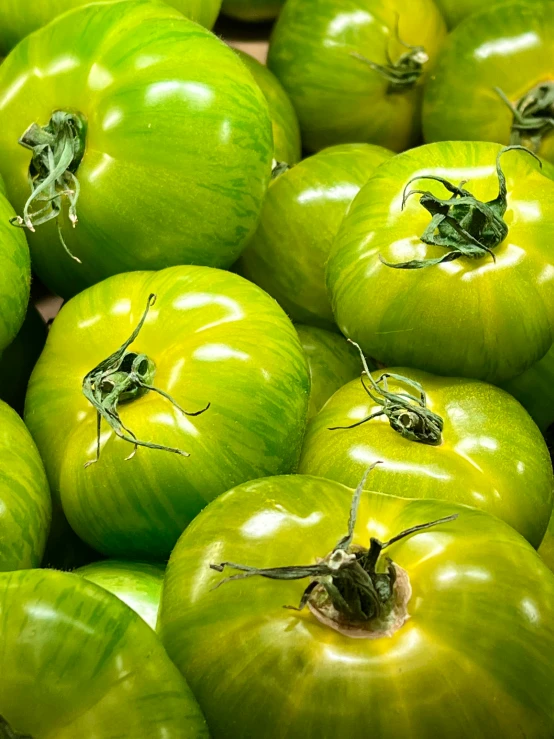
25, 505
15, 274
489, 317
177, 141
455, 11
213, 338
287, 146
323, 52
76, 662
18, 18
138, 584
508, 46
19, 358
301, 215
491, 456
332, 362
535, 391
473, 659
252, 10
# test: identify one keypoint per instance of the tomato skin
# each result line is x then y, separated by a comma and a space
472, 581
455, 11
19, 358
314, 41
18, 19
287, 254
25, 504
138, 584
286, 130
252, 10
472, 317
87, 663
214, 338
332, 362
507, 46
15, 275
492, 455
193, 121
535, 391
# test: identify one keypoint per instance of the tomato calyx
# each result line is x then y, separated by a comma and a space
6, 731
462, 223
346, 591
122, 377
279, 168
405, 72
533, 115
408, 414
58, 149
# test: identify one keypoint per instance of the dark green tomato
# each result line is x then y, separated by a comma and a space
286, 131
455, 11
177, 142
491, 455
482, 316
137, 584
212, 338
252, 10
78, 663
19, 358
315, 51
473, 659
25, 505
301, 215
535, 391
15, 274
507, 47
332, 362
18, 18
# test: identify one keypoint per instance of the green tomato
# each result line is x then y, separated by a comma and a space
212, 338
356, 74
252, 10
137, 584
169, 135
76, 662
535, 391
301, 215
286, 130
546, 549
332, 362
493, 80
489, 455
488, 315
15, 274
455, 11
18, 18
25, 505
474, 657
19, 358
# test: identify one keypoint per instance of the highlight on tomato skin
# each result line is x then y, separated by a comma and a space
479, 592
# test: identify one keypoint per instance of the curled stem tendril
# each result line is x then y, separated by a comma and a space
407, 414
122, 377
